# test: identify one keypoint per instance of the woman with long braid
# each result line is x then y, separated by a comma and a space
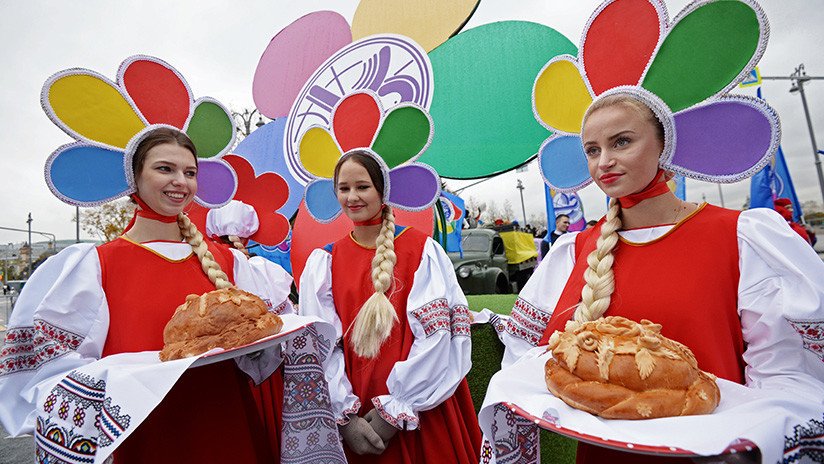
713, 278
397, 373
117, 298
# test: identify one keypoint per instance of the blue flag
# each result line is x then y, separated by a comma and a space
454, 212
550, 212
774, 182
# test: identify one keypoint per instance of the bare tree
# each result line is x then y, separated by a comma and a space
108, 220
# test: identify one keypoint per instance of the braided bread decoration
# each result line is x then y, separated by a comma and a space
619, 369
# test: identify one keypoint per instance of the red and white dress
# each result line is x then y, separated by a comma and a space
740, 289
87, 303
417, 382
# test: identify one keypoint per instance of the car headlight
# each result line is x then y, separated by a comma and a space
464, 272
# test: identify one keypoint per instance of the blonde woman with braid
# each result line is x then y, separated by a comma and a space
397, 374
117, 298
715, 279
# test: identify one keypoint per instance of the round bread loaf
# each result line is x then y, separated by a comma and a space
619, 369
225, 318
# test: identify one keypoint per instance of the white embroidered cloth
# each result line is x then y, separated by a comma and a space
777, 421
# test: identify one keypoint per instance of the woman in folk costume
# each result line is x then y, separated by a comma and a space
739, 288
397, 372
89, 302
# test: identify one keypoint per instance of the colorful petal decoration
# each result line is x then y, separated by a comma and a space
292, 56
86, 174
428, 22
325, 153
211, 128
355, 121
560, 96
266, 193
426, 186
563, 163
483, 104
216, 183
643, 22
321, 201
157, 90
90, 107
393, 68
724, 138
113, 118
402, 134
263, 148
710, 46
680, 71
405, 133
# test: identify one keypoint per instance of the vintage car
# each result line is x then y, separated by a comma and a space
493, 261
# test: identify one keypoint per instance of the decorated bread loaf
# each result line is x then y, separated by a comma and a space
619, 369
225, 318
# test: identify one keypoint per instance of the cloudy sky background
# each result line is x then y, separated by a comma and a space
216, 44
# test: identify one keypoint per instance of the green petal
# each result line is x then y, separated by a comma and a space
403, 135
210, 129
703, 53
482, 105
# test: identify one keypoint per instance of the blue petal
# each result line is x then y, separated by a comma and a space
321, 200
563, 163
86, 175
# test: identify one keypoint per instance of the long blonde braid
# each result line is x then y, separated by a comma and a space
207, 261
377, 316
600, 280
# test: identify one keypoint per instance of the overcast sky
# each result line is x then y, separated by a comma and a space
216, 45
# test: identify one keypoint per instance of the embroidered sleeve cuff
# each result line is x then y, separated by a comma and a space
396, 413
343, 419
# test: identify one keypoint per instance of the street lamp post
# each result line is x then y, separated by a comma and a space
246, 121
30, 248
521, 188
799, 77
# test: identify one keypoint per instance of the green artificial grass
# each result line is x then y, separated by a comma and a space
487, 352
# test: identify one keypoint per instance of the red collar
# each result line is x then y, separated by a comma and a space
657, 187
143, 210
377, 219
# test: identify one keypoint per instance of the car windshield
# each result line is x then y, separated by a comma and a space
475, 243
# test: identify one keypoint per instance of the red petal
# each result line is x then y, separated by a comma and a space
619, 43
158, 92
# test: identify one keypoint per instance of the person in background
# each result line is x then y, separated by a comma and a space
561, 227
784, 207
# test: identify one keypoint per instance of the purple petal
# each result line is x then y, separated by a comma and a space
413, 186
216, 183
726, 140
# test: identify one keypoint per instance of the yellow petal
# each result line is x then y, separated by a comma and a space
428, 22
94, 109
561, 97
318, 152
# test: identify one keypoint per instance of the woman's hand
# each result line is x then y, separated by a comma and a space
360, 437
384, 429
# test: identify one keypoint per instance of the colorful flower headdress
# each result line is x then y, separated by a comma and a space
682, 71
393, 138
109, 119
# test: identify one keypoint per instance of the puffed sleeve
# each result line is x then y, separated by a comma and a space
537, 300
235, 218
781, 304
440, 356
272, 284
316, 300
59, 323
265, 279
